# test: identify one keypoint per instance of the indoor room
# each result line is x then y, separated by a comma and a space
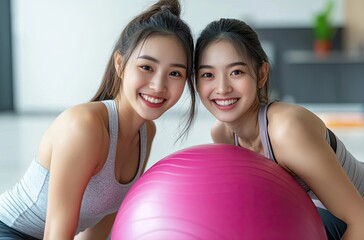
53, 55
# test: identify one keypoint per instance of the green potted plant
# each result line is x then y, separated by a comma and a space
323, 30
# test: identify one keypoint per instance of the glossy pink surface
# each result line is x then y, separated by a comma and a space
217, 191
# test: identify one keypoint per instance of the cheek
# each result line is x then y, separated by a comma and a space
203, 90
177, 87
247, 86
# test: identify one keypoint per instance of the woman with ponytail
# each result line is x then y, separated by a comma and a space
92, 153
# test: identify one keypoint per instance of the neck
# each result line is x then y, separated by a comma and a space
129, 122
247, 128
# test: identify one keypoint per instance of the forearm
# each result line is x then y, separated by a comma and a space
57, 235
59, 228
50, 234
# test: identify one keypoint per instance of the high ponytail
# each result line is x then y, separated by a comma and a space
173, 6
162, 18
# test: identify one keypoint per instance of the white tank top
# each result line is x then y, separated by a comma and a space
24, 206
353, 168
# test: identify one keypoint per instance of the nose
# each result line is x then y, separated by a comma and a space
223, 85
158, 83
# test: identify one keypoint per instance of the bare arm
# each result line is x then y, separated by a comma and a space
103, 229
221, 134
299, 143
76, 147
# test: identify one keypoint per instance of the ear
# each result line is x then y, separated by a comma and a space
263, 74
118, 60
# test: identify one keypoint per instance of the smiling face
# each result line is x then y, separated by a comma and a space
226, 83
154, 76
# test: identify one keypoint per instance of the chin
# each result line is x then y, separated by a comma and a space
152, 117
225, 118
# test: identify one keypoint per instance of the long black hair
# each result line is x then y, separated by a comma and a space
244, 39
162, 18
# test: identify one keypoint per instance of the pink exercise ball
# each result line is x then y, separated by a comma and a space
217, 191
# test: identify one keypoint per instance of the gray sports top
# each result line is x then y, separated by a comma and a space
353, 168
24, 206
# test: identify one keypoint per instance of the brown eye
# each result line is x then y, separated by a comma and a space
207, 75
236, 72
175, 74
146, 68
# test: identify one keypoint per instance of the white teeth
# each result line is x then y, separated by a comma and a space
151, 99
226, 102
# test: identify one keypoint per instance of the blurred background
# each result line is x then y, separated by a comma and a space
53, 54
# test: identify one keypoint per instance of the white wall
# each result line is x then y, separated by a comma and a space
61, 47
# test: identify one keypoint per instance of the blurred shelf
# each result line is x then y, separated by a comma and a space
310, 57
335, 78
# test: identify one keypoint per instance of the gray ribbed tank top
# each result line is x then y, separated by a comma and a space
24, 206
353, 168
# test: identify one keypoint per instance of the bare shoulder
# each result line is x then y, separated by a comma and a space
82, 118
286, 118
74, 149
83, 126
220, 133
293, 129
278, 108
298, 138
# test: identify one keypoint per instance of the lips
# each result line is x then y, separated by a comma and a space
152, 101
225, 102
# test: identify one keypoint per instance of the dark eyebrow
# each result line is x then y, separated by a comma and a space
147, 57
230, 65
237, 64
179, 65
204, 66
